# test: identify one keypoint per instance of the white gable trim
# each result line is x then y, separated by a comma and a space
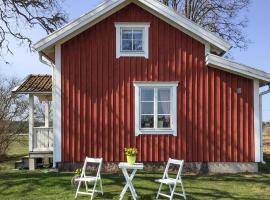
236, 68
75, 27
186, 24
109, 7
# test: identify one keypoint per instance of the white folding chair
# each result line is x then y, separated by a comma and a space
88, 179
172, 182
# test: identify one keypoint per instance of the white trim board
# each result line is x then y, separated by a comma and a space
111, 6
236, 68
56, 97
257, 134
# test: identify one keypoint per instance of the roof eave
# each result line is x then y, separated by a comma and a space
237, 68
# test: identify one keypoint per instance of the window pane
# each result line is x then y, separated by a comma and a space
147, 108
164, 94
147, 94
164, 121
127, 45
164, 108
137, 34
137, 45
127, 34
147, 121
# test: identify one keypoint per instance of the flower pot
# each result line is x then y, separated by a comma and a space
131, 160
75, 183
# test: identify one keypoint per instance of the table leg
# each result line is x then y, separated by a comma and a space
128, 184
129, 181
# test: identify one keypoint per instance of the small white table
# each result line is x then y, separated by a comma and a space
125, 167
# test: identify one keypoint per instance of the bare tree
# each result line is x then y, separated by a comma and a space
219, 16
39, 112
13, 114
18, 15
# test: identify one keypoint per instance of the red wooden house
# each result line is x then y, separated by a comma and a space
134, 73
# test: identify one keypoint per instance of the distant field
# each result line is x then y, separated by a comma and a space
266, 140
17, 150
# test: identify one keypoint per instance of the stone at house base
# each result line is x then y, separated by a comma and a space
32, 164
218, 168
190, 167
40, 159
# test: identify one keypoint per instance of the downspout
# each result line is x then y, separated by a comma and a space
41, 56
261, 127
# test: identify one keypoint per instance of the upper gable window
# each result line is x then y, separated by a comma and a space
132, 39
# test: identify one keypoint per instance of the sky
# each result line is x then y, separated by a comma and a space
24, 62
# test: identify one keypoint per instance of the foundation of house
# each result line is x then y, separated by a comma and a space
191, 167
46, 158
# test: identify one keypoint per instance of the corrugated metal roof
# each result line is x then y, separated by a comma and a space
35, 84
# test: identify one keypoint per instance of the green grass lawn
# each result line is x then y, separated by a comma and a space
42, 184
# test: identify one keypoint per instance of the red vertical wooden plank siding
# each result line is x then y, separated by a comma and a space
240, 127
189, 100
229, 118
194, 101
77, 105
214, 121
200, 105
223, 117
234, 118
251, 122
184, 99
206, 115
217, 116
246, 117
178, 58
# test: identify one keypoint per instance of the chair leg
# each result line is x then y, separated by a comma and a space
86, 186
159, 190
101, 187
183, 190
170, 187
78, 188
94, 189
172, 191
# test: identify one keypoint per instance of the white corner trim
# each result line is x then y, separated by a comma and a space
257, 134
111, 6
173, 130
236, 68
144, 26
56, 97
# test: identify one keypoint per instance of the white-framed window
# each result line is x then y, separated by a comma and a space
155, 108
132, 39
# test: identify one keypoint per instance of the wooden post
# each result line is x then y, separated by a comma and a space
47, 114
31, 121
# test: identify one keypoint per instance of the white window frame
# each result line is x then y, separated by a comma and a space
122, 25
161, 131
